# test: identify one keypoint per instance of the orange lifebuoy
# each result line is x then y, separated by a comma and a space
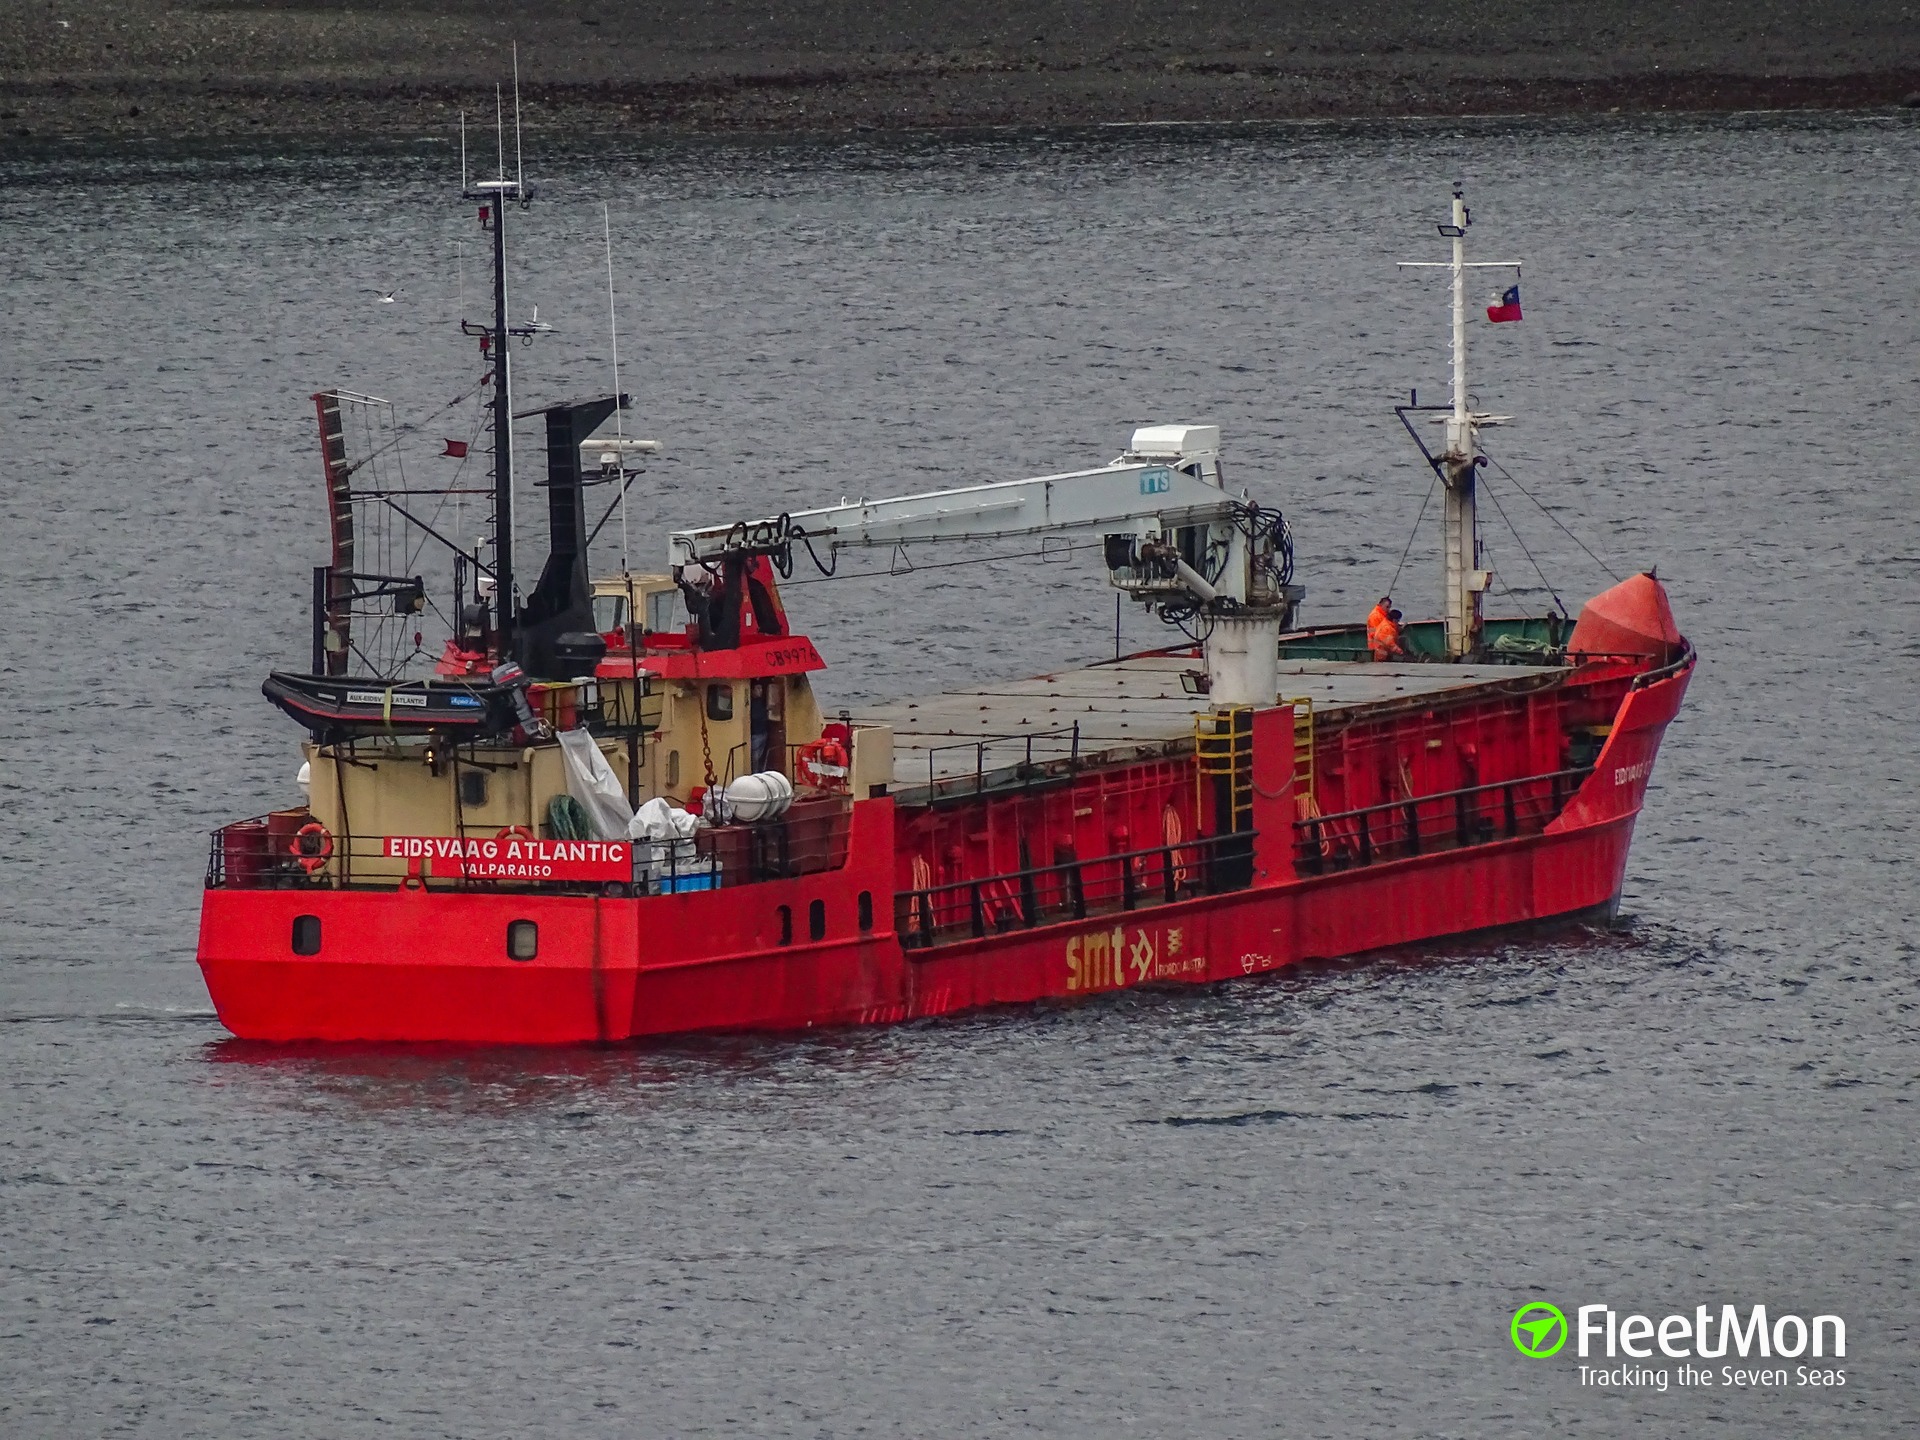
312, 856
513, 832
821, 765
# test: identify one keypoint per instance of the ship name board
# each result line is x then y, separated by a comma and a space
509, 857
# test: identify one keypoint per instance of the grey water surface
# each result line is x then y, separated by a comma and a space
1301, 1206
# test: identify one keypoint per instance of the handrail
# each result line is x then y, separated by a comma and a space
812, 838
948, 787
1199, 842
1579, 770
1352, 837
1667, 671
1207, 864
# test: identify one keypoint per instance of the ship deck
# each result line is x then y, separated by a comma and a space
1008, 732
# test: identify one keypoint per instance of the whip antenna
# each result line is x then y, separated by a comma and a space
519, 172
613, 336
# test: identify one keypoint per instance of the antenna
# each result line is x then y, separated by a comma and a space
499, 133
613, 335
519, 173
463, 152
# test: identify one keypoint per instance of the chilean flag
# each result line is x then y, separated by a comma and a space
1508, 308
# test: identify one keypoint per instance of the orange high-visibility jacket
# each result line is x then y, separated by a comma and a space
1384, 640
1376, 617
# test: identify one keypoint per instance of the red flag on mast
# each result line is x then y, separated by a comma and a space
456, 448
1508, 307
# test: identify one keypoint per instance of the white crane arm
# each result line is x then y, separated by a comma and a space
1173, 530
1114, 497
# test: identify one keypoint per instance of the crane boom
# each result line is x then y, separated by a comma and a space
1044, 504
1172, 530
1174, 538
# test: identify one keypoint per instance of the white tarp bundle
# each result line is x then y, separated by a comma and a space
658, 820
591, 781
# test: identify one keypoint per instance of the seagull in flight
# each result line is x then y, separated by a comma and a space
388, 297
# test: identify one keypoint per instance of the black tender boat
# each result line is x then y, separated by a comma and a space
340, 704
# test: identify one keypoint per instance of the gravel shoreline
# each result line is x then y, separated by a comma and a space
103, 69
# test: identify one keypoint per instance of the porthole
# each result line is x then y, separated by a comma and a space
785, 915
306, 934
817, 920
523, 940
866, 911
473, 788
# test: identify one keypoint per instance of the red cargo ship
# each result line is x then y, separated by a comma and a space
616, 808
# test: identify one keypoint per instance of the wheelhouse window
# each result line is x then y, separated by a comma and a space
719, 702
609, 613
666, 611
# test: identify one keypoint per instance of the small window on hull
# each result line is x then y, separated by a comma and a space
306, 934
473, 787
523, 940
785, 916
817, 920
866, 910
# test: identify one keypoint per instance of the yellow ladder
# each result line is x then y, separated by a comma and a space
1223, 749
1302, 745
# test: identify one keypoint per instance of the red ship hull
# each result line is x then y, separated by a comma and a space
414, 964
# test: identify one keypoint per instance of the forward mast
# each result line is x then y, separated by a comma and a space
1464, 581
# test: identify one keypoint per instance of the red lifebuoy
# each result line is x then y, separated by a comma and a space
821, 765
513, 832
312, 856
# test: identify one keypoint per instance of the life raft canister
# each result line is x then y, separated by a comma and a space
312, 846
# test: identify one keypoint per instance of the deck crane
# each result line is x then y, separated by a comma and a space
1173, 538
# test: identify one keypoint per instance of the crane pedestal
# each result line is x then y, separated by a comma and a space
1243, 658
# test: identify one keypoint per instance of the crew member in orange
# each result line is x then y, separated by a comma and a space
1377, 617
1384, 639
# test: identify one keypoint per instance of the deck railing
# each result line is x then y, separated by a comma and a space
1001, 762
1072, 890
1447, 820
258, 854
